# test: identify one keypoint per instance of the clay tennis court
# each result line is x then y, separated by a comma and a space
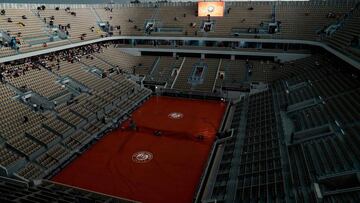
139, 165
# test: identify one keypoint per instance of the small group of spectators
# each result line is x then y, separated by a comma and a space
65, 28
17, 70
108, 9
50, 61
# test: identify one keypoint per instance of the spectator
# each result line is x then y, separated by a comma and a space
25, 119
228, 10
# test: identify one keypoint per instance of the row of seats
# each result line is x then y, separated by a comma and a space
225, 166
319, 144
234, 73
40, 81
7, 157
343, 37
80, 23
329, 126
31, 171
52, 156
293, 19
47, 191
296, 22
208, 76
333, 88
43, 135
46, 137
165, 70
75, 140
12, 115
260, 165
30, 28
25, 145
230, 74
124, 61
252, 154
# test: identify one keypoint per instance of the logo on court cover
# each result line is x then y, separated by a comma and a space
142, 157
176, 115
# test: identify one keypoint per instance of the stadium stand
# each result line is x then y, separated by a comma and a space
312, 137
291, 130
346, 37
47, 191
299, 20
77, 96
165, 70
190, 77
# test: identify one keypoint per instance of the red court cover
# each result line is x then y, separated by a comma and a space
139, 165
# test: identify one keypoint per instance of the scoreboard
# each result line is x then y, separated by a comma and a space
214, 9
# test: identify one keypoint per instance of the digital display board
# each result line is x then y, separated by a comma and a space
214, 9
